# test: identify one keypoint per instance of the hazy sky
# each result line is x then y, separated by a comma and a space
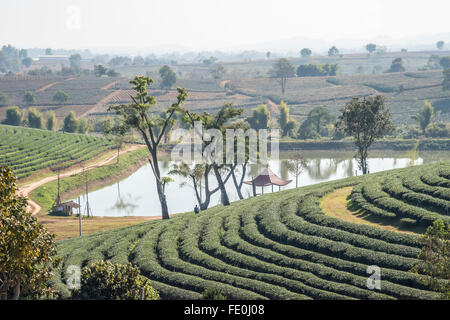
211, 24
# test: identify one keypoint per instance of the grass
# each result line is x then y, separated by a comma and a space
339, 205
276, 246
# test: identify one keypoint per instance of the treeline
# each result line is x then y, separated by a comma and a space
33, 118
321, 123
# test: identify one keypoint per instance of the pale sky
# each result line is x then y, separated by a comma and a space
211, 24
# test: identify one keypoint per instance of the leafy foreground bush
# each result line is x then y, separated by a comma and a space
27, 249
107, 281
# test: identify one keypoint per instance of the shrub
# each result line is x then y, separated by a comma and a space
212, 294
107, 281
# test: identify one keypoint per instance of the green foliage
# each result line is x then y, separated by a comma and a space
260, 117
75, 60
99, 70
282, 70
446, 82
29, 98
28, 150
139, 115
284, 118
333, 51
112, 73
27, 249
315, 124
14, 116
440, 45
168, 77
35, 119
3, 99
217, 71
434, 258
366, 120
305, 52
371, 47
71, 123
425, 117
27, 62
212, 294
84, 126
276, 246
108, 281
51, 122
317, 70
60, 96
397, 65
445, 62
438, 130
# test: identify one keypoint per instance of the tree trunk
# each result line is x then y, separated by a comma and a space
238, 187
197, 195
162, 200
363, 160
162, 197
17, 291
223, 191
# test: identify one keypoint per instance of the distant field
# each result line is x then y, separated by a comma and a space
405, 92
29, 150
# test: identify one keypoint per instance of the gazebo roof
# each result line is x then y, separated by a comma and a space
267, 178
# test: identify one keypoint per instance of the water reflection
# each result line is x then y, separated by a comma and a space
136, 195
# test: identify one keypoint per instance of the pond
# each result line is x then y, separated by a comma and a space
136, 195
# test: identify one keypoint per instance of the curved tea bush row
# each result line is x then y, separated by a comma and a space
27, 150
276, 246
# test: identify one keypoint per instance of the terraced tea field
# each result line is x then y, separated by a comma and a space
405, 92
28, 150
280, 245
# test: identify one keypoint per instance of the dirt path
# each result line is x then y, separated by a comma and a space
46, 86
109, 85
273, 106
102, 102
335, 205
26, 190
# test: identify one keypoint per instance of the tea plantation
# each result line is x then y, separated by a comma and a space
281, 245
27, 150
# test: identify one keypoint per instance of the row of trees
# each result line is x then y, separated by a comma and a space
34, 118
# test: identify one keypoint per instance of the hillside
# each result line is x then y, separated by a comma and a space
28, 150
281, 245
405, 92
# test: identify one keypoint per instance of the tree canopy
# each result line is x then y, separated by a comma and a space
168, 77
27, 249
282, 70
305, 52
366, 120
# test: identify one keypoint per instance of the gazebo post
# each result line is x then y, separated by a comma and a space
272, 187
262, 189
279, 188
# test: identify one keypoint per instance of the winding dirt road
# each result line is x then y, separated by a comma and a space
26, 190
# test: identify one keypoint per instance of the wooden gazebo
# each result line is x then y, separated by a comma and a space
267, 178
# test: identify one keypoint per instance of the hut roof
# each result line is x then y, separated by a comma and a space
267, 178
70, 204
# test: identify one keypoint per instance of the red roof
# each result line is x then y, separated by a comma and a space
267, 178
